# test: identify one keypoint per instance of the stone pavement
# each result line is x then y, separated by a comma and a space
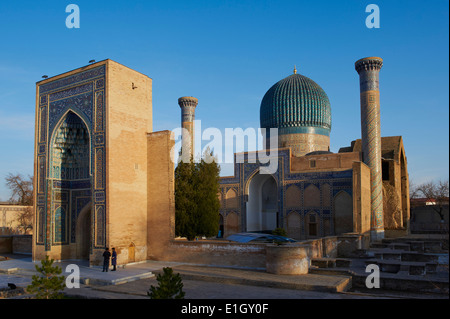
312, 282
134, 280
200, 282
199, 289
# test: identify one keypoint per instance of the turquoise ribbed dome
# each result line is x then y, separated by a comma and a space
296, 104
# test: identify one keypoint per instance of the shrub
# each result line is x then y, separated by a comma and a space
170, 286
47, 284
279, 232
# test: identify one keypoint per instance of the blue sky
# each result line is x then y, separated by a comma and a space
228, 54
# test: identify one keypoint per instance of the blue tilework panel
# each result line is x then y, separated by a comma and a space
71, 163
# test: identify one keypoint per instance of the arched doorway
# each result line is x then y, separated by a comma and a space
262, 205
70, 176
83, 233
131, 253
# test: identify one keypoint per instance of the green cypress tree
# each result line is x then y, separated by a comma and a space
47, 284
208, 204
170, 286
196, 202
185, 203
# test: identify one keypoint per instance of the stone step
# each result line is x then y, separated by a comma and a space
420, 257
360, 254
397, 282
330, 271
378, 245
370, 253
433, 245
388, 255
397, 254
400, 246
415, 244
412, 267
391, 245
411, 246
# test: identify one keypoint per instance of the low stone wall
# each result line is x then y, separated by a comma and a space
16, 244
239, 255
217, 253
348, 245
322, 247
22, 244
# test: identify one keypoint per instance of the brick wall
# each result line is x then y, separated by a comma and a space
129, 119
161, 193
327, 162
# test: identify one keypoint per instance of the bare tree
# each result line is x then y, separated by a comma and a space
21, 189
435, 193
25, 220
413, 189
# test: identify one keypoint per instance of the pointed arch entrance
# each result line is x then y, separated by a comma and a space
131, 253
84, 233
262, 205
70, 185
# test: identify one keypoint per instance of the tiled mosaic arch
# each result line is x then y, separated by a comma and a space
82, 94
71, 130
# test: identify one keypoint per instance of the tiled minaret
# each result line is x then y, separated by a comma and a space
368, 70
187, 105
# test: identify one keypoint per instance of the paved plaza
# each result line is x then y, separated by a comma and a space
200, 282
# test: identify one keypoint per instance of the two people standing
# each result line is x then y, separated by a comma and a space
106, 256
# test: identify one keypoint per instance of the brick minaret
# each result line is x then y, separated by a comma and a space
187, 105
368, 70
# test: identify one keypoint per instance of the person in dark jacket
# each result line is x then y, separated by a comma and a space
106, 255
114, 259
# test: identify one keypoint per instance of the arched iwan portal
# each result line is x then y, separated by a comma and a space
70, 187
262, 205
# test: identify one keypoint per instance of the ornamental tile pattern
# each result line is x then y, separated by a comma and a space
70, 156
328, 183
296, 102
